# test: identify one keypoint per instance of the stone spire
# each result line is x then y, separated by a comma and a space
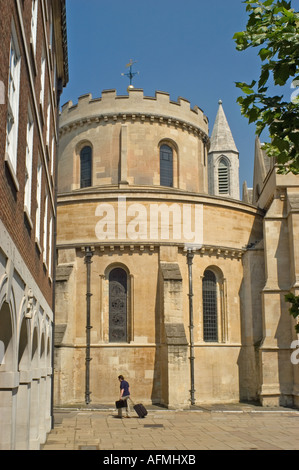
223, 160
222, 139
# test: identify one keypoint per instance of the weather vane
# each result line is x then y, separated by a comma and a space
130, 74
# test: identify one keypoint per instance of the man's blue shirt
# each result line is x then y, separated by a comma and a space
125, 387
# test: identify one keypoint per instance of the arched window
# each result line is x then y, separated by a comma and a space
223, 177
118, 306
166, 166
209, 293
85, 167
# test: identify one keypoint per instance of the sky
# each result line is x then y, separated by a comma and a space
183, 47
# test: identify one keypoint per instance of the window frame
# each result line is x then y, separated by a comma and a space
29, 162
13, 101
45, 233
50, 247
224, 179
87, 146
210, 319
104, 303
221, 302
126, 326
43, 78
166, 145
49, 116
34, 16
39, 173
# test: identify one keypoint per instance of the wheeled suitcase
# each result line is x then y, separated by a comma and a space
140, 410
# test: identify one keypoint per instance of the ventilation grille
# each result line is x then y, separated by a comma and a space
223, 182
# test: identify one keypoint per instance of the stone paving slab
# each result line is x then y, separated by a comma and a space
212, 428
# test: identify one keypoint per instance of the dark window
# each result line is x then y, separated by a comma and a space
166, 166
223, 178
118, 306
85, 167
209, 293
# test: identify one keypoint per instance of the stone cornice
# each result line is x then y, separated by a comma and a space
101, 248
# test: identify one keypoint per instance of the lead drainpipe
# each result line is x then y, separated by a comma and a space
88, 256
54, 260
190, 257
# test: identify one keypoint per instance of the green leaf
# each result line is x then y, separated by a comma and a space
247, 90
267, 3
263, 79
294, 137
265, 53
248, 100
253, 115
281, 74
246, 86
258, 10
287, 13
281, 144
241, 40
239, 35
294, 301
260, 126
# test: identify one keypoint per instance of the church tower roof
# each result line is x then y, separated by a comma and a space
222, 139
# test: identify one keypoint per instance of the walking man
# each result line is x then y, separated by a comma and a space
124, 395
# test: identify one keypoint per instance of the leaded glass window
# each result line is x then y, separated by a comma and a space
117, 306
166, 166
86, 165
209, 293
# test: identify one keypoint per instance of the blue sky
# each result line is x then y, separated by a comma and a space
181, 47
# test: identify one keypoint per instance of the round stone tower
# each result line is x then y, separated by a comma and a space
134, 218
134, 140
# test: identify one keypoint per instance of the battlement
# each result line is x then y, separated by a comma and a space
134, 105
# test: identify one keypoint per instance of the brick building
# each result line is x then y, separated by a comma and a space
33, 72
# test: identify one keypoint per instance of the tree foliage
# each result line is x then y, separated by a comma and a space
294, 309
273, 27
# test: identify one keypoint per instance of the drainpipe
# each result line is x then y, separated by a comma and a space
88, 256
190, 257
54, 260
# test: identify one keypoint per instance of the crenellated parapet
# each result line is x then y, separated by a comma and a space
134, 107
